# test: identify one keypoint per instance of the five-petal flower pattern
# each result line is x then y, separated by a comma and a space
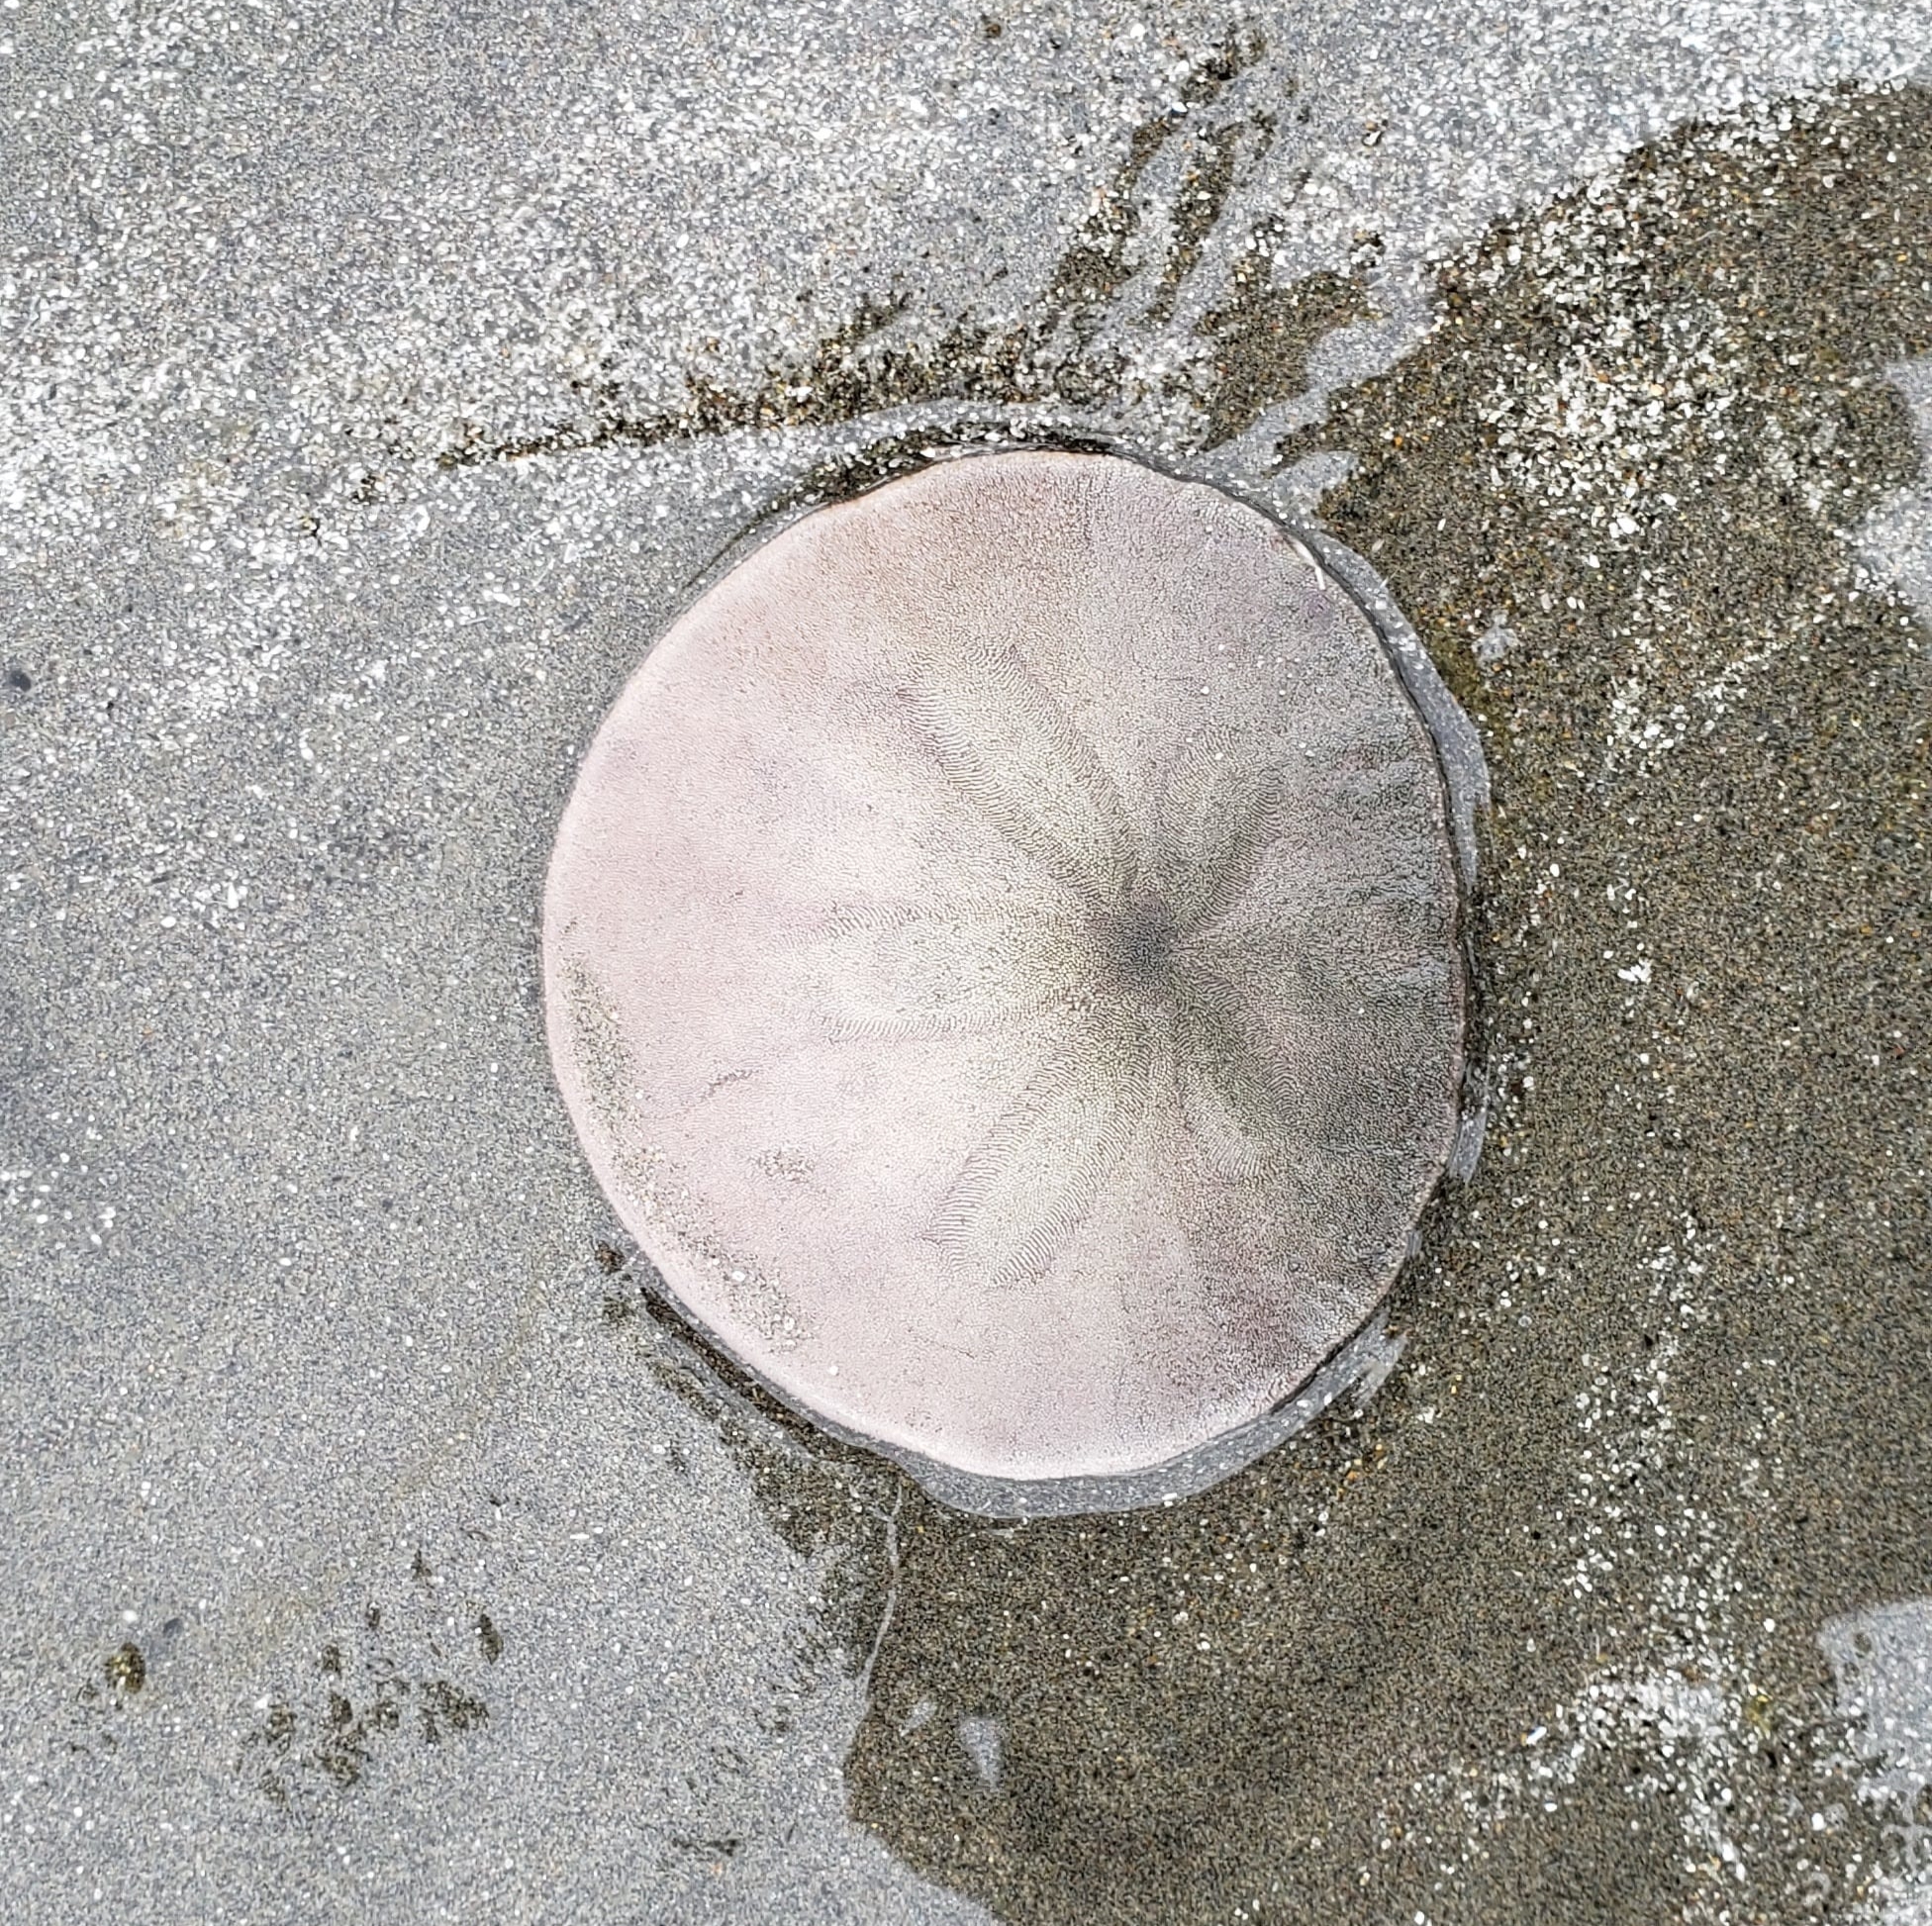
1136, 964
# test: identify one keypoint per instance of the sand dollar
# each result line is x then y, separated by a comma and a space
1001, 961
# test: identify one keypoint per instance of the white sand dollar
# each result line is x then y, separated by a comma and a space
1003, 963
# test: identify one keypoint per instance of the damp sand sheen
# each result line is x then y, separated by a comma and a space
1002, 964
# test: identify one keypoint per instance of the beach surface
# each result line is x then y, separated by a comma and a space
380, 381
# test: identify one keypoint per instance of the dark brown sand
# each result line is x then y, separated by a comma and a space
1535, 1636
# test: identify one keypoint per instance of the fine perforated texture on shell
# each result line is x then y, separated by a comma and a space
1001, 961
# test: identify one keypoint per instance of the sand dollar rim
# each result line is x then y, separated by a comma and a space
1003, 963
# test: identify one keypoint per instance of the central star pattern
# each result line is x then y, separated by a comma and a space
1137, 967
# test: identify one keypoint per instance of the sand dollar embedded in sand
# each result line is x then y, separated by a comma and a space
1003, 963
